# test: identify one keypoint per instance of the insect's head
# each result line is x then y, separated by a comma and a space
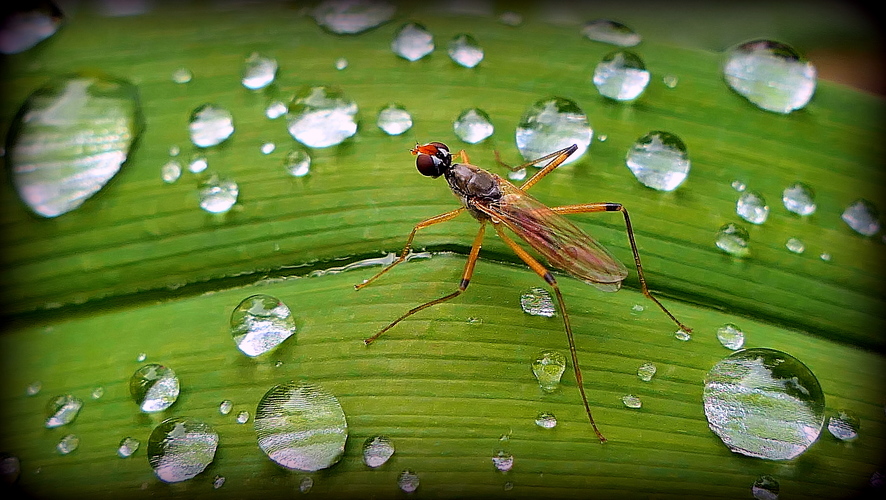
433, 158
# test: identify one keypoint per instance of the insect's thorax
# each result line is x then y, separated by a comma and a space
473, 184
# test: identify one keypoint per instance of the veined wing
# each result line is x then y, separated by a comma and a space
561, 242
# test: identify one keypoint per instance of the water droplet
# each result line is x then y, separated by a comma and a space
174, 150
546, 420
631, 401
27, 24
825, 257
646, 371
210, 125
465, 51
180, 448
510, 18
517, 175
670, 81
659, 160
225, 407
799, 198
297, 162
473, 125
322, 116
765, 488
602, 137
752, 207
730, 336
611, 32
98, 392
68, 444
154, 387
862, 216
275, 110
795, 245
408, 481
621, 76
764, 403
352, 16
306, 484
682, 335
69, 139
301, 426
34, 388
412, 42
218, 482
393, 119
548, 367
128, 446
258, 71
243, 417
141, 357
260, 323
552, 124
341, 63
739, 186
503, 461
171, 171
733, 239
637, 308
771, 75
537, 302
844, 425
268, 148
182, 75
10, 468
218, 195
377, 450
62, 410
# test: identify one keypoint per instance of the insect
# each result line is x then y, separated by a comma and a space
493, 200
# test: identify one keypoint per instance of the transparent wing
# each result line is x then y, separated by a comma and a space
561, 242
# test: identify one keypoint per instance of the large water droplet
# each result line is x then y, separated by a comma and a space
297, 162
621, 76
730, 336
243, 417
799, 198
752, 207
412, 42
127, 447
26, 24
548, 367
659, 160
301, 426
646, 371
611, 32
795, 245
465, 51
537, 302
862, 216
225, 407
62, 410
844, 425
393, 119
260, 323
322, 116
546, 420
377, 450
503, 461
180, 448
473, 125
68, 444
552, 124
765, 488
408, 481
258, 71
154, 387
210, 125
733, 239
352, 16
771, 75
764, 403
631, 401
217, 195
69, 139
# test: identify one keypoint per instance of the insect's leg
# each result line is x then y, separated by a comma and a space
617, 207
463, 284
549, 278
463, 155
421, 225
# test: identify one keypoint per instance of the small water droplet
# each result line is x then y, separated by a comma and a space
68, 444
408, 481
637, 308
210, 125
863, 217
765, 488
197, 164
659, 160
182, 75
141, 357
844, 425
472, 320
552, 124
34, 388
10, 468
321, 116
510, 18
27, 24
795, 245
546, 420
771, 75
621, 76
306, 484
97, 392
127, 447
171, 171
62, 410
377, 450
739, 186
218, 482
799, 199
670, 81
473, 125
352, 16
548, 368
260, 323
465, 50
154, 387
611, 32
393, 119
752, 207
243, 417
268, 148
682, 335
646, 371
218, 195
301, 426
517, 175
503, 461
602, 137
180, 448
730, 336
764, 403
225, 407
825, 257
297, 162
174, 150
631, 401
537, 302
733, 239
275, 110
412, 42
258, 71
